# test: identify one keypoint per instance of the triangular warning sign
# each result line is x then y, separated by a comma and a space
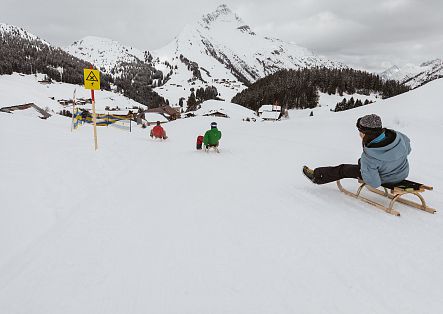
92, 77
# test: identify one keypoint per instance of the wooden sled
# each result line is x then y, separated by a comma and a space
215, 148
394, 192
159, 139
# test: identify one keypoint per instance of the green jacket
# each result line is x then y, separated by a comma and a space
212, 137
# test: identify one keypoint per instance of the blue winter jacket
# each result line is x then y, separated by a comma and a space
388, 164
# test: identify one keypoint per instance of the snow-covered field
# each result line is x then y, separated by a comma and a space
142, 226
18, 89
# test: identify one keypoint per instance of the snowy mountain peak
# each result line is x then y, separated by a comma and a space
221, 14
221, 50
20, 32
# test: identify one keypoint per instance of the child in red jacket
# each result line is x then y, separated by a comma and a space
158, 132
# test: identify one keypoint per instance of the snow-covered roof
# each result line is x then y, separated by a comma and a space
154, 117
269, 108
219, 113
27, 112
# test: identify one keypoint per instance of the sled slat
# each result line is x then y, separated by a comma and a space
406, 185
404, 201
395, 196
427, 187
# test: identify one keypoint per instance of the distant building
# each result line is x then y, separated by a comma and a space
42, 114
167, 111
216, 113
45, 81
152, 118
189, 114
270, 112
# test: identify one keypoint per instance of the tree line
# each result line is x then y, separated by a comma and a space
300, 88
350, 104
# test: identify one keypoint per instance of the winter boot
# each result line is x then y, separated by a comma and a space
309, 173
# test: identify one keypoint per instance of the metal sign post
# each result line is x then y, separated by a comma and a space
73, 108
92, 82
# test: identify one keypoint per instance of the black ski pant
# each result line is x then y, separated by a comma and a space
324, 175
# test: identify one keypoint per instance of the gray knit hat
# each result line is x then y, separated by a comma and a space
369, 123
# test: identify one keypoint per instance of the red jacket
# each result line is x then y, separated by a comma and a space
157, 131
200, 139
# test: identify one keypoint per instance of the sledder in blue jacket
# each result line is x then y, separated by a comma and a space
384, 158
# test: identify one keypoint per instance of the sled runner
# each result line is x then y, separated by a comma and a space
394, 192
214, 148
159, 139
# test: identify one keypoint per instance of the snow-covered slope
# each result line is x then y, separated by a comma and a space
155, 227
104, 53
415, 75
227, 54
18, 89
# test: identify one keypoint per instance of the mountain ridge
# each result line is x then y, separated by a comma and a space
415, 75
6, 28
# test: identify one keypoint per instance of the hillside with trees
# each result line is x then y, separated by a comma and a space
300, 88
29, 55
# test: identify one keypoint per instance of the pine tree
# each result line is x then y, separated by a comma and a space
192, 103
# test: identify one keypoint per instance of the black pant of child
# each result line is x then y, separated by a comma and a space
324, 175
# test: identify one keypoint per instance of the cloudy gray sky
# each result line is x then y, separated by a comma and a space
370, 34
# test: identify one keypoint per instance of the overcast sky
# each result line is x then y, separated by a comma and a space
371, 34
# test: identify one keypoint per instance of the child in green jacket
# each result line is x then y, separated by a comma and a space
212, 136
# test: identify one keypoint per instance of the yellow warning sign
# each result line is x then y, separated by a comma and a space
92, 79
